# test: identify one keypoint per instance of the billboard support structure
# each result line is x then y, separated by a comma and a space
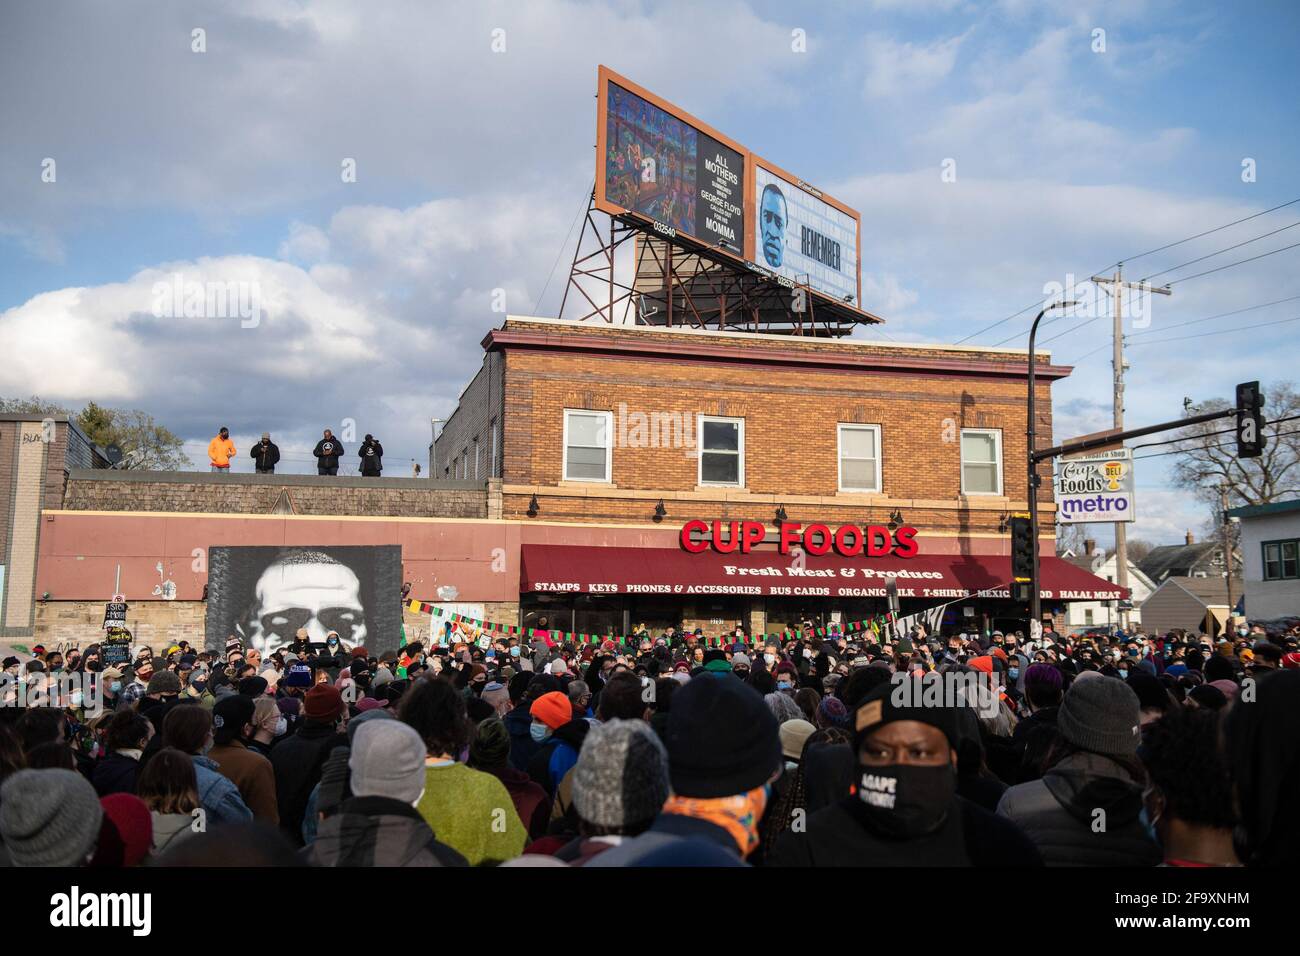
679, 282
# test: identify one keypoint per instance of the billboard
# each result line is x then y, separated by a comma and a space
803, 235
1097, 487
263, 595
662, 163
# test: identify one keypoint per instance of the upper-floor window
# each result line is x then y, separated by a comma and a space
722, 450
859, 457
981, 461
588, 445
1280, 560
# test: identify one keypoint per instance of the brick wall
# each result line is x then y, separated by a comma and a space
474, 423
156, 623
791, 436
202, 492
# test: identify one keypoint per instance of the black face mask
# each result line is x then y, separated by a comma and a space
904, 801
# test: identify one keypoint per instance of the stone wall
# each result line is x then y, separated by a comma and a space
207, 493
156, 623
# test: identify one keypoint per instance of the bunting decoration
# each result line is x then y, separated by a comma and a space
874, 624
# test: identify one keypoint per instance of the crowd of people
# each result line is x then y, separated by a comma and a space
266, 454
844, 750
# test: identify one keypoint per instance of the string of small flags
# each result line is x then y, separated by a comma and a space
874, 624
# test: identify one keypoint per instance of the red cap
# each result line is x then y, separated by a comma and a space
126, 835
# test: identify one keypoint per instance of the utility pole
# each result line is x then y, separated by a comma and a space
1227, 547
1115, 286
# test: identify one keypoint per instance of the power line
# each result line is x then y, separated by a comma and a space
1226, 444
1221, 315
1220, 252
1230, 265
560, 251
1207, 232
1222, 431
1201, 335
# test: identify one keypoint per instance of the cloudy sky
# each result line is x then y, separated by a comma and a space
1072, 148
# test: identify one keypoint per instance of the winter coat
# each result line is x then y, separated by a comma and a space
327, 450
557, 754
115, 773
841, 835
471, 811
265, 456
251, 773
379, 831
170, 829
219, 794
1085, 811
220, 451
372, 455
522, 745
531, 802
297, 761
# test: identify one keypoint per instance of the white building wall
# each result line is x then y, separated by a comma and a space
1268, 599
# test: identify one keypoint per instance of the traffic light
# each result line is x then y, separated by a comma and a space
1250, 420
1023, 550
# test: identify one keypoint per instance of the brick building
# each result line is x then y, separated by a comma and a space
616, 436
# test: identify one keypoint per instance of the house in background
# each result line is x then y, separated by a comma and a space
1192, 559
1270, 547
1081, 614
1197, 604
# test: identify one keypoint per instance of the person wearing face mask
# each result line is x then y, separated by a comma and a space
188, 728
558, 735
269, 725
251, 773
220, 450
265, 455
904, 809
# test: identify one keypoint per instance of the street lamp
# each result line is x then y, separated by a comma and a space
1035, 604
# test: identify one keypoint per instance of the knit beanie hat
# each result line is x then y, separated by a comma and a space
163, 682
49, 817
831, 712
229, 715
126, 834
553, 709
322, 702
387, 760
491, 744
722, 739
621, 777
881, 707
1101, 715
794, 734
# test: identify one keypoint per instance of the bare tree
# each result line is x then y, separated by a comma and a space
1207, 462
1138, 548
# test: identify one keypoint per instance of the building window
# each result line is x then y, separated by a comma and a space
1087, 615
1280, 560
492, 462
722, 451
588, 449
464, 462
981, 461
476, 458
859, 457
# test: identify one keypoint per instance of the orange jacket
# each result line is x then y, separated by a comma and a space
220, 451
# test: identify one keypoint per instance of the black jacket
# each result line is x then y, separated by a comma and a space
297, 761
328, 451
372, 454
115, 773
379, 831
839, 835
265, 456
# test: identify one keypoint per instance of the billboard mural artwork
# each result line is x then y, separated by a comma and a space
263, 595
797, 235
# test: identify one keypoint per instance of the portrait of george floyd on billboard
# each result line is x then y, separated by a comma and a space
264, 595
662, 163
804, 235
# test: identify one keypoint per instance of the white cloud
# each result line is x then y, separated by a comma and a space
896, 68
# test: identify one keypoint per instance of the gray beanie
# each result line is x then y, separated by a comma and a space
49, 818
387, 760
621, 777
1101, 715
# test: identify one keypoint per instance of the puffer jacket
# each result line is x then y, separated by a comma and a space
1085, 811
379, 831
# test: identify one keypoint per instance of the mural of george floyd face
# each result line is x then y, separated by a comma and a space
264, 595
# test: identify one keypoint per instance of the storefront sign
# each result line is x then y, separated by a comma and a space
1096, 487
849, 540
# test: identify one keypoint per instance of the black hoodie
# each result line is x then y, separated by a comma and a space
328, 451
372, 454
265, 456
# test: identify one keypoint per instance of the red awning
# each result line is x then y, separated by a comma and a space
566, 569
